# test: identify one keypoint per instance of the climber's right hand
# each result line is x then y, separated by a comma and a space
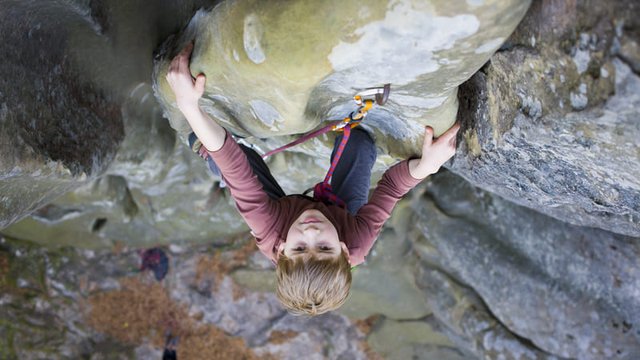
435, 152
186, 88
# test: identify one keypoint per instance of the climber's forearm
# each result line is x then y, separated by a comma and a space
210, 133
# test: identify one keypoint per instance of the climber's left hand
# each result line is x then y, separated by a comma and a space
186, 88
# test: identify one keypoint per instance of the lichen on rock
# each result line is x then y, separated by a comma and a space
283, 68
553, 121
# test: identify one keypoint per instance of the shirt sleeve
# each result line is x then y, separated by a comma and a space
256, 207
394, 184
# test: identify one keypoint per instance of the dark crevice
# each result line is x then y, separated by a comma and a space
509, 47
420, 319
100, 16
98, 224
628, 63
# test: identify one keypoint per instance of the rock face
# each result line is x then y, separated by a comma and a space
526, 249
571, 291
57, 127
85, 107
277, 69
552, 120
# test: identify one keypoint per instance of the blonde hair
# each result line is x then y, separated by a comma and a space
311, 286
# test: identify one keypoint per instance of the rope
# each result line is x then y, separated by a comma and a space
302, 139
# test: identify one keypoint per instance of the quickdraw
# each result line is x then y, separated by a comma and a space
365, 101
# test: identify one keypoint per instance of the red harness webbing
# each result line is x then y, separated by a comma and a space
322, 191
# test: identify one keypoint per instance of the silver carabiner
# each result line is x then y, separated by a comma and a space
380, 94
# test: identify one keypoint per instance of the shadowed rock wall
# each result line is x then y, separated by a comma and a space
58, 127
74, 100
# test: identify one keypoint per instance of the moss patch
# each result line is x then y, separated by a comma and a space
471, 139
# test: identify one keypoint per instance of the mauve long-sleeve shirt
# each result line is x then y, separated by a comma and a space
270, 219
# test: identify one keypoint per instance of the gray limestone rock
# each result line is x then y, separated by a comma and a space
469, 323
552, 123
67, 72
562, 289
630, 53
418, 340
163, 193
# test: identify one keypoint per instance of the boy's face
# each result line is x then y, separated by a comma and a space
312, 233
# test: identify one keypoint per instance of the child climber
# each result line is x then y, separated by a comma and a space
313, 243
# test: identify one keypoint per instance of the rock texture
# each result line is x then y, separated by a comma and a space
552, 120
49, 296
279, 69
56, 136
553, 288
57, 127
528, 252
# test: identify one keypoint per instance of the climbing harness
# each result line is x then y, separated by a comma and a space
322, 191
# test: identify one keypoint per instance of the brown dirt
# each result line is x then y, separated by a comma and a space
371, 355
367, 324
209, 267
4, 270
218, 265
118, 247
238, 291
209, 342
139, 312
278, 337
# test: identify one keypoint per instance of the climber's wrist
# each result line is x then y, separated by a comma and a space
419, 169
